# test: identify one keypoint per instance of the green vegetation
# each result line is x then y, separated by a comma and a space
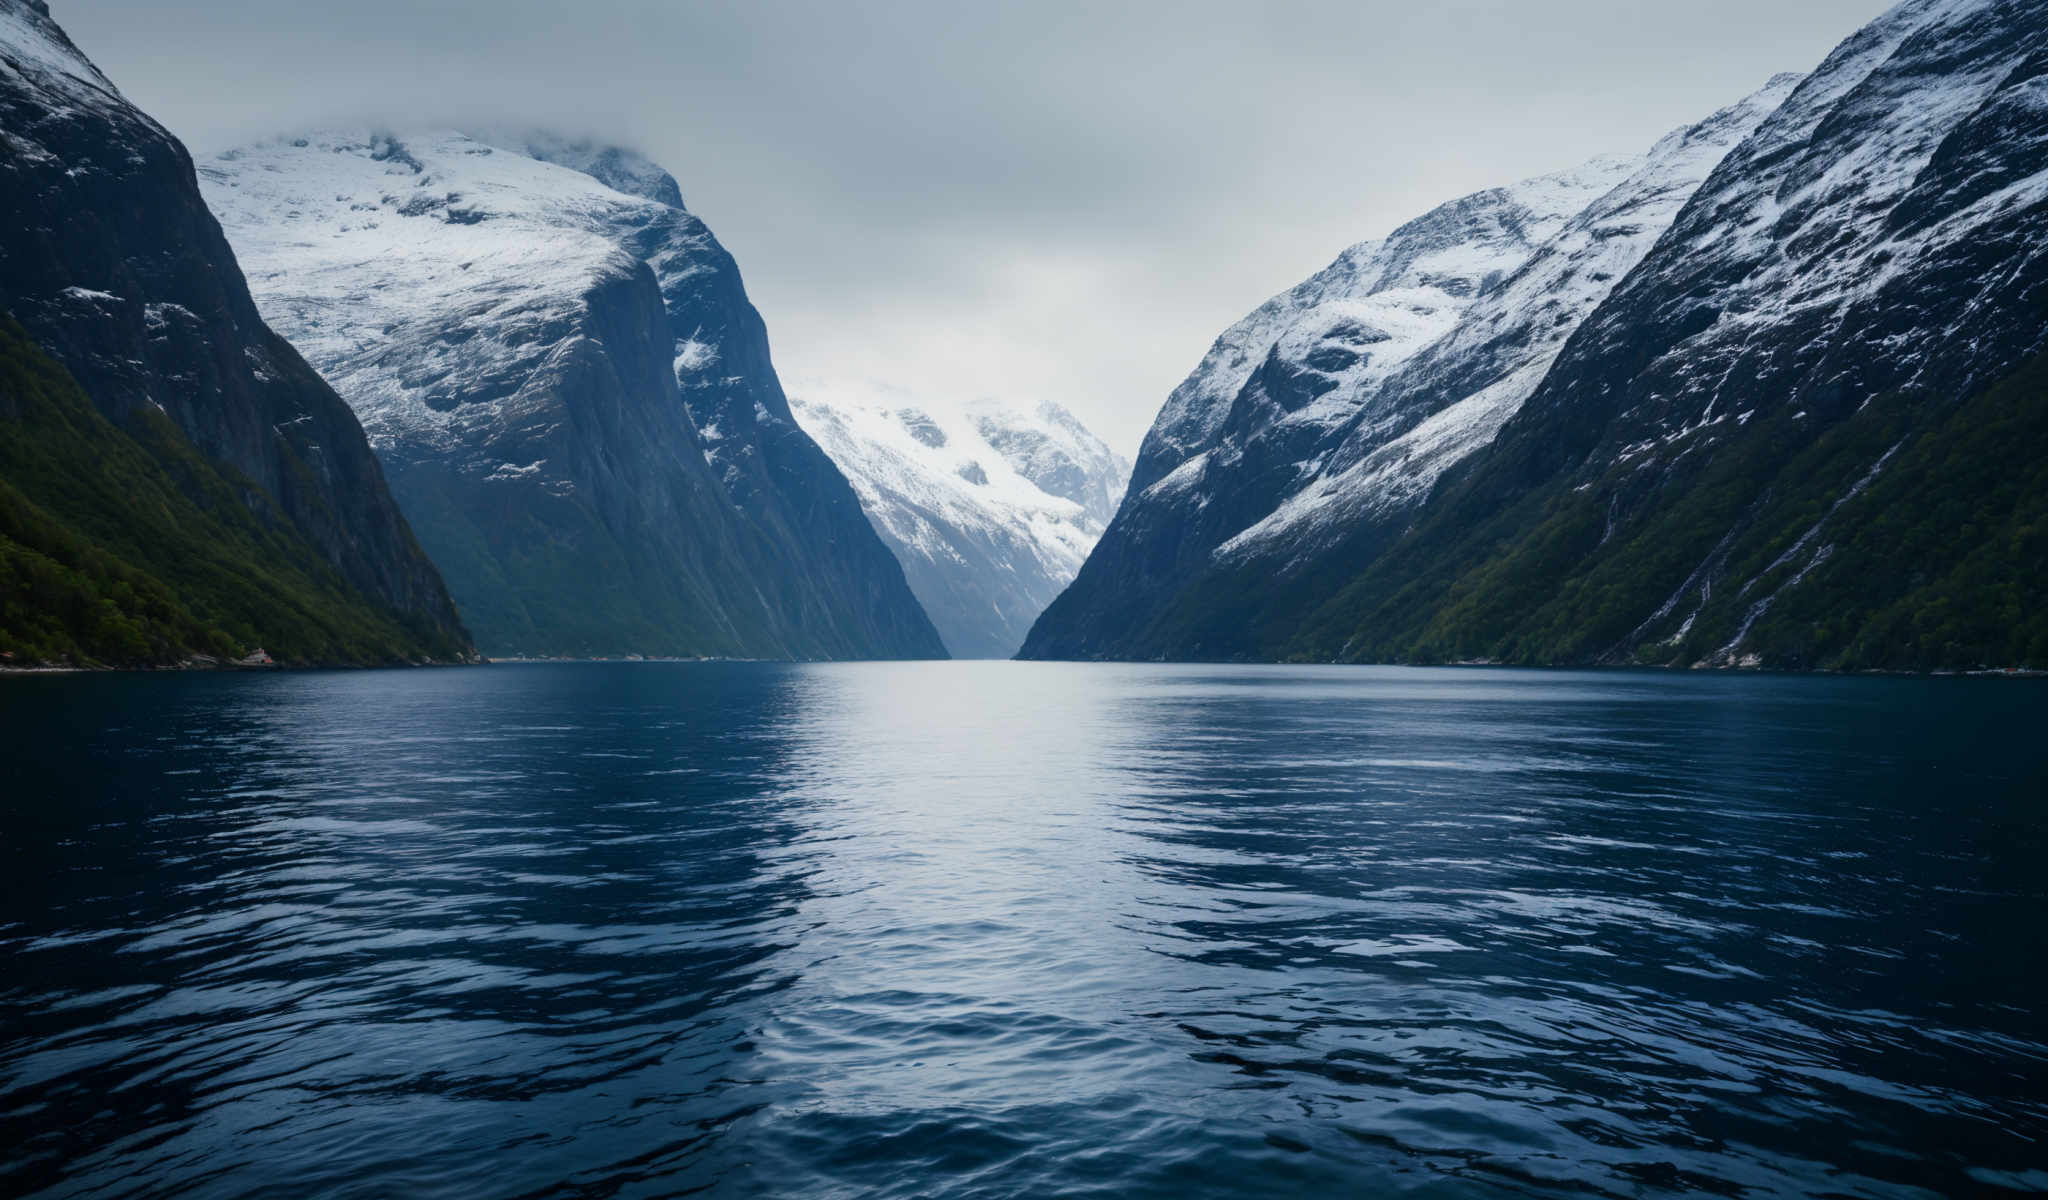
1943, 560
127, 547
1940, 561
544, 575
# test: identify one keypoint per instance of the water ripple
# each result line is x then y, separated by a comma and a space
1010, 929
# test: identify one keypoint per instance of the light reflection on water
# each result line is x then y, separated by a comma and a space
1002, 929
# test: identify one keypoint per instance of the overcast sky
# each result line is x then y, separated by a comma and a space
1045, 199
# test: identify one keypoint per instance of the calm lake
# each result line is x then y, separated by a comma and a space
647, 929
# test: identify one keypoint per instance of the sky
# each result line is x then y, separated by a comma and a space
1044, 200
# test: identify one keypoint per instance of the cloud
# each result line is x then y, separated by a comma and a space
1046, 199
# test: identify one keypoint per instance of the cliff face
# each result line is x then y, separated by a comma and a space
113, 266
559, 366
828, 576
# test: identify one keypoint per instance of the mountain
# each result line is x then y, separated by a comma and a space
1807, 431
1316, 367
1804, 431
990, 509
1318, 418
174, 479
559, 367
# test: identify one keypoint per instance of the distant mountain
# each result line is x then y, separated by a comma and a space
174, 479
990, 509
562, 373
1806, 429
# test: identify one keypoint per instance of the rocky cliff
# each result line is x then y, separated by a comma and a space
115, 270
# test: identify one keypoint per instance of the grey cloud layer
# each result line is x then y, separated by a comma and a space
1045, 199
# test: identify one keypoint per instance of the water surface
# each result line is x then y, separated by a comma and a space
1020, 929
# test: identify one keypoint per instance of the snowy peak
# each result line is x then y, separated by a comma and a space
1456, 394
34, 48
991, 509
1362, 316
1461, 247
960, 446
617, 167
1899, 176
1058, 454
429, 274
561, 370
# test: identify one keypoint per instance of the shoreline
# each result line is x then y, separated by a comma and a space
484, 661
224, 668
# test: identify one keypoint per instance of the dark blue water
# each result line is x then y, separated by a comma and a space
1022, 930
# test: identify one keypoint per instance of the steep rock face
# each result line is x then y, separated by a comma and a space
1340, 402
1871, 236
990, 510
1797, 435
112, 264
560, 368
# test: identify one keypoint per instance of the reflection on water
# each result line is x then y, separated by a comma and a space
1009, 929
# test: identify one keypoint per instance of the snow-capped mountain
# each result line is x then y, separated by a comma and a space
1803, 430
559, 367
990, 509
1788, 423
1302, 359
1343, 399
113, 268
1404, 439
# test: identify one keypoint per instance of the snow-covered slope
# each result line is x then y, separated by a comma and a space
991, 510
429, 295
1876, 233
1452, 398
561, 371
1316, 346
1348, 396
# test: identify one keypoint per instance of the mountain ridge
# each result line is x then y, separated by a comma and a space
572, 392
1725, 361
1864, 262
